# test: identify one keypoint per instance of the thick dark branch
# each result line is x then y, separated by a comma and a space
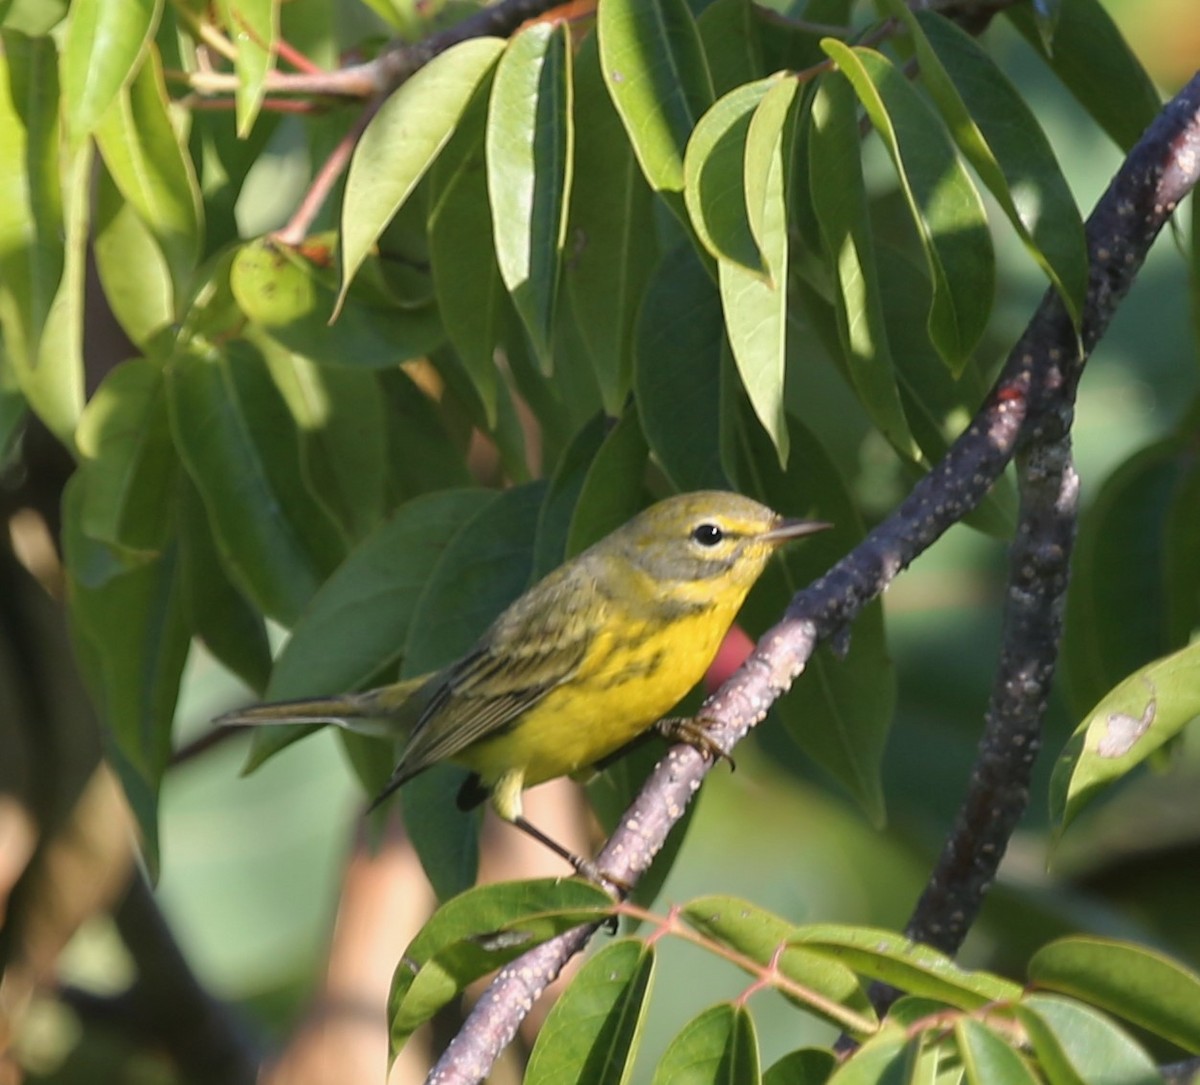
1029, 406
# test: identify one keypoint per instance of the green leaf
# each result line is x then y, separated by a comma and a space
718, 1046
658, 77
104, 44
236, 438
529, 159
592, 1031
1094, 61
131, 641
880, 1061
562, 497
478, 932
37, 276
340, 419
612, 491
907, 965
611, 243
33, 18
944, 203
132, 270
1138, 984
677, 371
1151, 707
832, 990
217, 611
425, 455
402, 141
714, 169
1076, 1045
253, 26
839, 199
357, 624
755, 307
987, 1058
466, 277
853, 695
1000, 136
732, 44
807, 1066
1181, 544
124, 442
1115, 603
153, 170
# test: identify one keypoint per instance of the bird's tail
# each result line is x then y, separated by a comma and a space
381, 712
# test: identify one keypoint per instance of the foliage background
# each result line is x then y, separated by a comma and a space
253, 908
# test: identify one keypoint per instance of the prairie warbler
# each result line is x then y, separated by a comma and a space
583, 663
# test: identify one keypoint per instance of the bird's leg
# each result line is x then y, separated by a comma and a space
506, 799
692, 732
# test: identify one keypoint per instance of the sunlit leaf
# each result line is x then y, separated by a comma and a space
718, 1046
987, 1058
403, 139
1075, 1045
253, 27
592, 1031
658, 77
529, 162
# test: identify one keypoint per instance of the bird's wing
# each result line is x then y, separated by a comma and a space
535, 646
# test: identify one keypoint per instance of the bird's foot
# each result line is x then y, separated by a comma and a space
692, 732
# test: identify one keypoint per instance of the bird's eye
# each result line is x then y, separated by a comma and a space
707, 534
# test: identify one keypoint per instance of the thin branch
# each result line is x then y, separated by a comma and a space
1030, 404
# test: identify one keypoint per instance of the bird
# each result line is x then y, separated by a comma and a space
582, 664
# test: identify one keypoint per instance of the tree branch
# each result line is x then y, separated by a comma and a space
1029, 407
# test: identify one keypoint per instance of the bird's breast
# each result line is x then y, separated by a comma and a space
630, 677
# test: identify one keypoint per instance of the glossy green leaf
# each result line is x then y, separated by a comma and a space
806, 1066
478, 932
658, 77
613, 489
677, 371
131, 641
1094, 61
907, 965
355, 628
1075, 1045
829, 988
103, 46
987, 1058
1115, 603
611, 244
132, 270
237, 439
466, 277
124, 443
33, 18
1138, 984
714, 168
1152, 706
718, 1047
592, 1031
944, 203
880, 1061
999, 135
562, 496
529, 161
32, 256
216, 610
403, 139
253, 27
150, 165
852, 696
839, 199
340, 419
732, 44
755, 306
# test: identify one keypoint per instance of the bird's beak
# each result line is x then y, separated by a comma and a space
786, 529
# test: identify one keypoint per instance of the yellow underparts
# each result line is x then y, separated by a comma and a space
627, 681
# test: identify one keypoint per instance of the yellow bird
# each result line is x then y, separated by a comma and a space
582, 663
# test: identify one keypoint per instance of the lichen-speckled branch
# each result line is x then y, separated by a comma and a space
1028, 410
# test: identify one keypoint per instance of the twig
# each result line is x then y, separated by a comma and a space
1030, 404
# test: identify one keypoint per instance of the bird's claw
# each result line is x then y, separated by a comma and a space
692, 732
